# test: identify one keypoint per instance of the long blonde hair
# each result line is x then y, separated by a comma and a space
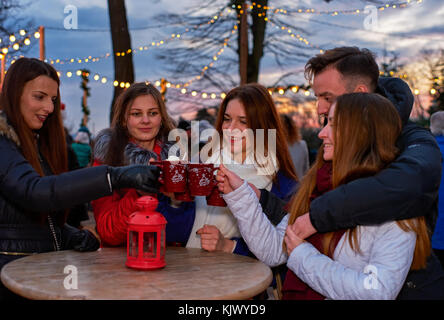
366, 127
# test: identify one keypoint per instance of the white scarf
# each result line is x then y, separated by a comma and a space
221, 217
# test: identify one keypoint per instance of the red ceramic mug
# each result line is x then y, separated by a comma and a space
173, 177
201, 178
215, 198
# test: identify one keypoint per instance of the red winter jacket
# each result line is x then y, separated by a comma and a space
111, 214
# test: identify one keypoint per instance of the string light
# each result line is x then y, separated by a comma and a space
144, 47
194, 93
15, 42
288, 30
296, 36
208, 66
393, 5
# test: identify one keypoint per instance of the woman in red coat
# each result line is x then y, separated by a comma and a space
139, 132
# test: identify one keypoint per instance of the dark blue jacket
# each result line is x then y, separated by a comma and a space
438, 235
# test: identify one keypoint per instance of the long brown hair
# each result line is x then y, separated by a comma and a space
119, 132
366, 127
52, 141
261, 114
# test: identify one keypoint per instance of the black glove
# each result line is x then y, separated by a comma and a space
80, 240
141, 177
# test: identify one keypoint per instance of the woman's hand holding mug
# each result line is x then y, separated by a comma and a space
227, 180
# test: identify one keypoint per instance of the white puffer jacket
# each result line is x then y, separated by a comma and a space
377, 273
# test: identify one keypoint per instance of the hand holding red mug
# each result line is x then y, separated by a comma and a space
161, 180
227, 180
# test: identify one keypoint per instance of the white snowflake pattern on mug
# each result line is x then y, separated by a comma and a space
177, 177
204, 181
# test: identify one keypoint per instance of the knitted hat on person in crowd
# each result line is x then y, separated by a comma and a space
82, 137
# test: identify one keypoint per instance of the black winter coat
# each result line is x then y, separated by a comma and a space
25, 197
408, 188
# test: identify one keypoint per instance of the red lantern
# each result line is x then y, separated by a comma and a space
146, 236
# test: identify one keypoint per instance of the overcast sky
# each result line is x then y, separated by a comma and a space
411, 29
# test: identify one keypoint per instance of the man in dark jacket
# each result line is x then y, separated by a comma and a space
408, 188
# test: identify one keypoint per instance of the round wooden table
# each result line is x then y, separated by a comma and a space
189, 274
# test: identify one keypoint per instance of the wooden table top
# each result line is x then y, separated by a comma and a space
189, 274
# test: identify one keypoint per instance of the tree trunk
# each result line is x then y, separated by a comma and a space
123, 64
243, 44
258, 35
258, 31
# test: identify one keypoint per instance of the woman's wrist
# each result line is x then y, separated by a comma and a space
229, 245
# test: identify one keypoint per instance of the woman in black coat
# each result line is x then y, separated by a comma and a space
35, 188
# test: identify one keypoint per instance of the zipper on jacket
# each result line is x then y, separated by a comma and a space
51, 226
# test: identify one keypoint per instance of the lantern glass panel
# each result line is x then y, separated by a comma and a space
134, 244
162, 243
149, 245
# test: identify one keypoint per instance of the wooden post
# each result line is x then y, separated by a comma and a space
2, 76
163, 88
85, 119
243, 50
84, 86
42, 42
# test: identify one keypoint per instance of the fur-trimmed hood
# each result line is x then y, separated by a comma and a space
6, 130
133, 154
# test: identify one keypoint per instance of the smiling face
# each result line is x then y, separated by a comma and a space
327, 135
37, 101
234, 123
144, 121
